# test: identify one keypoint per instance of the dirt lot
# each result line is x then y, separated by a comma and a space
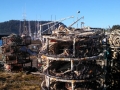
19, 81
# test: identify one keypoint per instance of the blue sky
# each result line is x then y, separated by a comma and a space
97, 13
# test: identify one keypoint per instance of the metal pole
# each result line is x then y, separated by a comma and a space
72, 85
77, 18
40, 31
74, 47
47, 45
47, 75
71, 65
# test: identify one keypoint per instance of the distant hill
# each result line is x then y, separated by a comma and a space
13, 26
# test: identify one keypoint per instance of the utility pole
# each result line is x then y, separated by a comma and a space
20, 33
82, 24
25, 29
77, 17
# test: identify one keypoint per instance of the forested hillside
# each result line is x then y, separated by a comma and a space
13, 26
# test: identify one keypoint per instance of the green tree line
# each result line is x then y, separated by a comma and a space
115, 27
13, 26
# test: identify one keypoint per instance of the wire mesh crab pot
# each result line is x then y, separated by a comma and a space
13, 56
73, 62
113, 75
